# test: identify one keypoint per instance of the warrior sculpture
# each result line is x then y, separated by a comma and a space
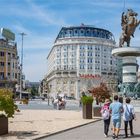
129, 22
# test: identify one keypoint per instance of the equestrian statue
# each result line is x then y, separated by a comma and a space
129, 22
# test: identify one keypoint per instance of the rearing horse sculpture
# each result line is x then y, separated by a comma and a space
129, 24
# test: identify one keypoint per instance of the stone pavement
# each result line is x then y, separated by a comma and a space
94, 131
31, 124
37, 119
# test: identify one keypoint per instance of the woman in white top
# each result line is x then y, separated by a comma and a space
128, 116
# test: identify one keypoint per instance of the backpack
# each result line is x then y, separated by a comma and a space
105, 114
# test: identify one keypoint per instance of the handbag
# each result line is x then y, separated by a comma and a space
130, 113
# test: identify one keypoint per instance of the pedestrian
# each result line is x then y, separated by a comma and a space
128, 116
121, 99
136, 96
106, 116
55, 103
116, 108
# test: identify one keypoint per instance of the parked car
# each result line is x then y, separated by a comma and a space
70, 98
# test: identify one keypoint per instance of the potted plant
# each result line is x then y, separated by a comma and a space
7, 109
87, 106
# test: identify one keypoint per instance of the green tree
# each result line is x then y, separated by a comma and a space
34, 91
6, 103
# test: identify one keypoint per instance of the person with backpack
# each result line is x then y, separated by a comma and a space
128, 116
106, 116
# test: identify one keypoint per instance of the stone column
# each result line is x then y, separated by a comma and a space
129, 69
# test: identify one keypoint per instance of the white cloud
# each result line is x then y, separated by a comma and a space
19, 28
33, 11
46, 16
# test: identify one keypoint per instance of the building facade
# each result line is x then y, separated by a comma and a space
80, 59
9, 64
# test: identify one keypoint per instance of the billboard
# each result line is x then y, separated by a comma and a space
7, 34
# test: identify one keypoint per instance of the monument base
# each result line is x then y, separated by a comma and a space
129, 69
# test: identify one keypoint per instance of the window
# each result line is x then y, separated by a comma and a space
72, 47
1, 53
82, 67
81, 54
1, 63
110, 62
58, 49
58, 55
65, 54
72, 82
89, 60
58, 61
82, 60
89, 67
76, 31
65, 61
1, 75
65, 49
70, 31
82, 31
15, 75
72, 55
13, 55
82, 48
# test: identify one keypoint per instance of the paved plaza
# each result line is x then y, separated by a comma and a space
38, 120
94, 131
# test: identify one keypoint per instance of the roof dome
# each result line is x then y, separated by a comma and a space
84, 31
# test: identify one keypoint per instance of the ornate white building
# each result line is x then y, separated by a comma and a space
80, 59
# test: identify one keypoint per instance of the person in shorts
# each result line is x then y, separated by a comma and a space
116, 109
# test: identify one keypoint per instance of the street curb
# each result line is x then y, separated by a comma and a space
45, 136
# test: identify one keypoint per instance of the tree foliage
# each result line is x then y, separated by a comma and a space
34, 91
100, 93
6, 103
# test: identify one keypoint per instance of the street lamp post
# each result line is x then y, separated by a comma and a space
21, 63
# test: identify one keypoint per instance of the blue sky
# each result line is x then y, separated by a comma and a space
41, 20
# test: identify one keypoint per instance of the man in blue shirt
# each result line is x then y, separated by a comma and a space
116, 108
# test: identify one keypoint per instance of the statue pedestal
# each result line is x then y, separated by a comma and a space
129, 64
